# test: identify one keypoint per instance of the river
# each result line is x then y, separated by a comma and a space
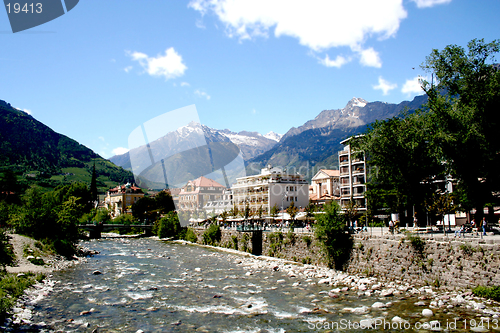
153, 286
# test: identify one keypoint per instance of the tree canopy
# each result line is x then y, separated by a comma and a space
452, 137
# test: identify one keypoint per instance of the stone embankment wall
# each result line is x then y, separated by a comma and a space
440, 262
444, 262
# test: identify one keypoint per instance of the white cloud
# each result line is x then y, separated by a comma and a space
254, 111
430, 3
200, 93
385, 86
412, 86
27, 111
185, 84
119, 151
317, 24
169, 65
128, 69
338, 62
370, 58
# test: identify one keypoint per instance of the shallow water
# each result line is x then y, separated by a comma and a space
154, 286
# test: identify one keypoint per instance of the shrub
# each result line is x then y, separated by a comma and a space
6, 252
169, 226
417, 243
212, 235
190, 236
330, 232
235, 242
307, 240
487, 292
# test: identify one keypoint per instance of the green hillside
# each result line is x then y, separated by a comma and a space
38, 155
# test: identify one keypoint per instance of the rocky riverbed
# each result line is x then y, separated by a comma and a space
181, 287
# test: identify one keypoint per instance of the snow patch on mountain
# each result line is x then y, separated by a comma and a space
273, 136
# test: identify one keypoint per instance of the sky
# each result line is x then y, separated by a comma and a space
104, 68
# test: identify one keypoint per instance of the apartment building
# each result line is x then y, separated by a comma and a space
273, 186
352, 176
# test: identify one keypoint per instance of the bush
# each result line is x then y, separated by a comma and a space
212, 235
169, 226
487, 292
190, 236
6, 252
330, 232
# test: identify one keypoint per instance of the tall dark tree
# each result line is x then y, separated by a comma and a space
93, 186
464, 104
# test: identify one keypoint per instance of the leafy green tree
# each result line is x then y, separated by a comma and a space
144, 208
330, 232
463, 108
292, 210
164, 202
169, 226
403, 164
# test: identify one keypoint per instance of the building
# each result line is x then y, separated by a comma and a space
273, 186
352, 166
224, 204
196, 193
325, 187
119, 199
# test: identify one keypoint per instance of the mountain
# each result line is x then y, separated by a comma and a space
251, 144
315, 145
38, 155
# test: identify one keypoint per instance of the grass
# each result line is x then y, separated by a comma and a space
487, 292
12, 286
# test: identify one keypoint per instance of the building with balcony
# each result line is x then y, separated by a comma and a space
273, 186
224, 204
196, 193
352, 167
325, 187
119, 199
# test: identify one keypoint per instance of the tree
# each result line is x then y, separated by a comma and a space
292, 211
94, 195
164, 202
274, 211
463, 106
402, 162
169, 226
330, 232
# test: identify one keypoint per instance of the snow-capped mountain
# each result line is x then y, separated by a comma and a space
273, 136
194, 134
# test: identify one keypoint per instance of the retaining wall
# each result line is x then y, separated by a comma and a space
448, 263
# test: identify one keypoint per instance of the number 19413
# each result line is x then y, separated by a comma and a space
16, 8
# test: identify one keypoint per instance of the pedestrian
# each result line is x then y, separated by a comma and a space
484, 226
474, 227
415, 221
391, 227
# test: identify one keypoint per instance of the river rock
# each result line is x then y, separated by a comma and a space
96, 272
419, 303
427, 313
378, 305
387, 292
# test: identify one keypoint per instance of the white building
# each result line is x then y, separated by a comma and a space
224, 204
273, 186
325, 187
352, 166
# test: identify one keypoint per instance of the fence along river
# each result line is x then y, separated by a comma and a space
152, 286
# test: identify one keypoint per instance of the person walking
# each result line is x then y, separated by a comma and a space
484, 224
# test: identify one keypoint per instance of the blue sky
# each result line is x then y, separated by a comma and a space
106, 67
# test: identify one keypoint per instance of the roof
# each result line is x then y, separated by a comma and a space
327, 172
204, 182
